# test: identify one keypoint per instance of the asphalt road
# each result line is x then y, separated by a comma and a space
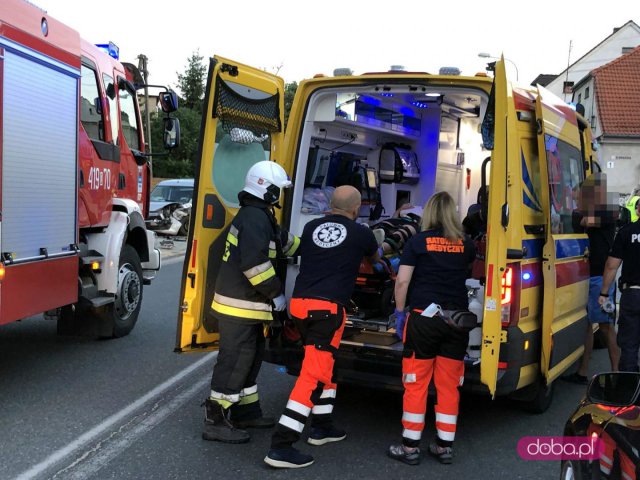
130, 409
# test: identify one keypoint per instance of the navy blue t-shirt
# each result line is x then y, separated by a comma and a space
331, 249
441, 268
626, 247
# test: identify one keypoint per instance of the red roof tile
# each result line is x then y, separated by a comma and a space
617, 86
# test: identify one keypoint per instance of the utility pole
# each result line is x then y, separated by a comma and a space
566, 79
142, 66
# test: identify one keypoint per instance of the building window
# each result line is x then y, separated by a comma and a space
627, 50
567, 87
586, 93
593, 122
579, 97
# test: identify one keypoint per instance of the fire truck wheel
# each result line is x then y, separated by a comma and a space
124, 311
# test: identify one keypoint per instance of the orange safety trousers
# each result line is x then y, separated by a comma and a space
321, 324
627, 468
416, 375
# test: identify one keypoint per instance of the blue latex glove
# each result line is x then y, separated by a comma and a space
401, 320
279, 303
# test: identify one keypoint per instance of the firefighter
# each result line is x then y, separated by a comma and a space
331, 251
433, 269
626, 251
247, 290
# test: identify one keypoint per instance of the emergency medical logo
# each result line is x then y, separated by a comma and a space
329, 235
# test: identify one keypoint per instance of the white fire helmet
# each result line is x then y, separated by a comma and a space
265, 180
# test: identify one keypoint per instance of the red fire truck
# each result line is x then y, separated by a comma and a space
74, 179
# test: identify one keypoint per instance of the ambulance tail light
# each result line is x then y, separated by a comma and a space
510, 295
2, 272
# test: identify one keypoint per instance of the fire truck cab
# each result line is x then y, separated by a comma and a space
75, 179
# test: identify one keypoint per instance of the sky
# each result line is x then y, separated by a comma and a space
298, 39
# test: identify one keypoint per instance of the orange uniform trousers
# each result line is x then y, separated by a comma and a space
435, 350
321, 324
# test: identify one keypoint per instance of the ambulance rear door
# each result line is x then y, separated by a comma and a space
497, 124
564, 256
242, 124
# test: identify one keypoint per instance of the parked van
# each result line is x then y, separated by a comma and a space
516, 153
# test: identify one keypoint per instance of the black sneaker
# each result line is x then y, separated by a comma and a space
320, 436
443, 454
287, 457
398, 452
576, 378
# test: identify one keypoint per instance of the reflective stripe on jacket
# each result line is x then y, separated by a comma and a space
247, 280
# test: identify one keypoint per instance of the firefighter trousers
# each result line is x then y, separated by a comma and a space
233, 383
435, 350
321, 324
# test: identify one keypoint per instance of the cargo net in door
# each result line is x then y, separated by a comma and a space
235, 111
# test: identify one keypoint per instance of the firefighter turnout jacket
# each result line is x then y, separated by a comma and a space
247, 281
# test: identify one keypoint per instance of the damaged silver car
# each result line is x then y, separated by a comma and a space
170, 207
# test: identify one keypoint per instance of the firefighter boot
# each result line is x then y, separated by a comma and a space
249, 415
218, 427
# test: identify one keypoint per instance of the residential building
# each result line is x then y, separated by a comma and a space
610, 95
621, 41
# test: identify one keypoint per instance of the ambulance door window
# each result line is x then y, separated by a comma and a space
129, 119
566, 173
235, 152
111, 90
91, 115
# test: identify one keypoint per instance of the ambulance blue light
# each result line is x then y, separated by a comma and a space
420, 104
110, 49
526, 276
387, 94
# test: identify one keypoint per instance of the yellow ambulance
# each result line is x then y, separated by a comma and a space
399, 137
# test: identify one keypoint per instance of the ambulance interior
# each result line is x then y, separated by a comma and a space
362, 137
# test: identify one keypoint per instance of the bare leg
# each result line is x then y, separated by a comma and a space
614, 352
588, 348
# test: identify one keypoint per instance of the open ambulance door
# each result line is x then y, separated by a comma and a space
564, 256
502, 110
242, 124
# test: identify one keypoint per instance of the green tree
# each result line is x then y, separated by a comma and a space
289, 92
191, 82
180, 162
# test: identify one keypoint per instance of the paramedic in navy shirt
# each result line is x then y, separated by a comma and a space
331, 250
433, 269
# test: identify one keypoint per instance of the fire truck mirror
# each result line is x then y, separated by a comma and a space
171, 132
124, 84
97, 103
169, 101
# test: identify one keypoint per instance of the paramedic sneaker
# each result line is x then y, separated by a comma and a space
398, 452
322, 435
443, 454
287, 457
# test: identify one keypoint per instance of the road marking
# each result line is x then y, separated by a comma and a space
90, 435
100, 455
